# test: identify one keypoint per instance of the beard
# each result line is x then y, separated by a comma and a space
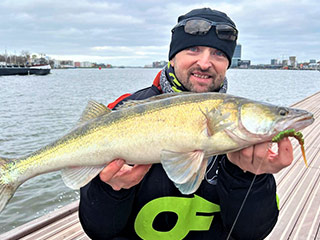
211, 86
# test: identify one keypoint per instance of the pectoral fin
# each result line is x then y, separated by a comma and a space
77, 177
193, 184
186, 170
216, 120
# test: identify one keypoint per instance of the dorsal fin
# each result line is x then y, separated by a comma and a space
131, 103
93, 110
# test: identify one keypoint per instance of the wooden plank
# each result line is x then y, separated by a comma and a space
54, 228
308, 104
40, 223
299, 187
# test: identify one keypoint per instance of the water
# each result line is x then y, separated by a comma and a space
35, 110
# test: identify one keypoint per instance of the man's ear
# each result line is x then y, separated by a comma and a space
172, 62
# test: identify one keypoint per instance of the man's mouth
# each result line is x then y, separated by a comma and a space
203, 76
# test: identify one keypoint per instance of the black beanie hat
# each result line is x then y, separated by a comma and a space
181, 40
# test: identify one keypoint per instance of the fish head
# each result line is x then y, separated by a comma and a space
262, 121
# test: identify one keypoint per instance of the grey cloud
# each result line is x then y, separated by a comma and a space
141, 28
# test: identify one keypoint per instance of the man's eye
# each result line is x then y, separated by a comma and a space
193, 49
219, 53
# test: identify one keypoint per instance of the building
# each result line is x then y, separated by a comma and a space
244, 64
274, 62
285, 63
293, 61
236, 56
159, 64
86, 64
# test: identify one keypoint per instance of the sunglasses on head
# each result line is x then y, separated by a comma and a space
201, 26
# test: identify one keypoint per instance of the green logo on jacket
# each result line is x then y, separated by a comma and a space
187, 210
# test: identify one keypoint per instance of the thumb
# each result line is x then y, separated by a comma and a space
111, 169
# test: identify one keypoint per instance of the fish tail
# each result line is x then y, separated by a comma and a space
7, 188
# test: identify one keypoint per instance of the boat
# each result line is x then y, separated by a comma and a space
43, 69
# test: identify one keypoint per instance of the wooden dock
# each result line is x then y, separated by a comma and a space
298, 189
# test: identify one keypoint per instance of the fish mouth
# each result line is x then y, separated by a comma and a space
304, 122
301, 122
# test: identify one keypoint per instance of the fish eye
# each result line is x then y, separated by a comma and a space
283, 111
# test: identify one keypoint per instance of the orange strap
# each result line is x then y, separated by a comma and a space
119, 99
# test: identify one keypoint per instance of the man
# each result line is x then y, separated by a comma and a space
140, 202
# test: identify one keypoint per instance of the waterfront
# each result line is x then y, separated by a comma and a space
34, 110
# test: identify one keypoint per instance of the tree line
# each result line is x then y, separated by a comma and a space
25, 58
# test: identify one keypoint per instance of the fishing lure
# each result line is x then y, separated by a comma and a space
296, 135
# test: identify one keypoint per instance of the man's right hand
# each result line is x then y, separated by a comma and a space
120, 175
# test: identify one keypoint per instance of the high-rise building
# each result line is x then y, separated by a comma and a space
236, 56
293, 61
285, 63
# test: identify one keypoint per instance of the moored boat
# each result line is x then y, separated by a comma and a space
25, 70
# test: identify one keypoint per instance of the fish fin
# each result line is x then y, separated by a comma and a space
7, 188
132, 103
93, 110
193, 184
216, 121
129, 103
6, 193
77, 177
184, 169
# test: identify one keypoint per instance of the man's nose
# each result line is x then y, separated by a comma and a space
204, 61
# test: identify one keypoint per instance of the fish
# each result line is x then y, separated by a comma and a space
179, 130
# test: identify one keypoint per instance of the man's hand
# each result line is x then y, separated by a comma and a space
120, 175
259, 159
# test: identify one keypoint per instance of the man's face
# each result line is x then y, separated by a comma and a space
200, 69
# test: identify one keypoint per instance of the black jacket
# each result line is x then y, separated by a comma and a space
155, 209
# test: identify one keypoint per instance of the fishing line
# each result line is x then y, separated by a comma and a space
241, 207
212, 163
247, 194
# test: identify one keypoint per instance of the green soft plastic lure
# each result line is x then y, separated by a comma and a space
296, 135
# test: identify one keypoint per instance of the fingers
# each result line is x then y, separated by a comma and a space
136, 174
251, 158
138, 171
111, 169
119, 175
259, 159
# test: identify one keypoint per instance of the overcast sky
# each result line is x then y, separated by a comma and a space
137, 32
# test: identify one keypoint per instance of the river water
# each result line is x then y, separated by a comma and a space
35, 110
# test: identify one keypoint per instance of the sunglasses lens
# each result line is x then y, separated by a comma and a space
226, 32
197, 27
202, 27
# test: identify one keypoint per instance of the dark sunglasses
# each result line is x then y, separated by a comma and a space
201, 26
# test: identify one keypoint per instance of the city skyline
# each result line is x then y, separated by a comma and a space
138, 32
236, 60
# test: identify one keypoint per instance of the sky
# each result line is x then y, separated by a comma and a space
137, 32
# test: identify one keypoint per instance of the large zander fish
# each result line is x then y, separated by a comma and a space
179, 130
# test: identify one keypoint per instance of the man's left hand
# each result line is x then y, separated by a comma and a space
259, 159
